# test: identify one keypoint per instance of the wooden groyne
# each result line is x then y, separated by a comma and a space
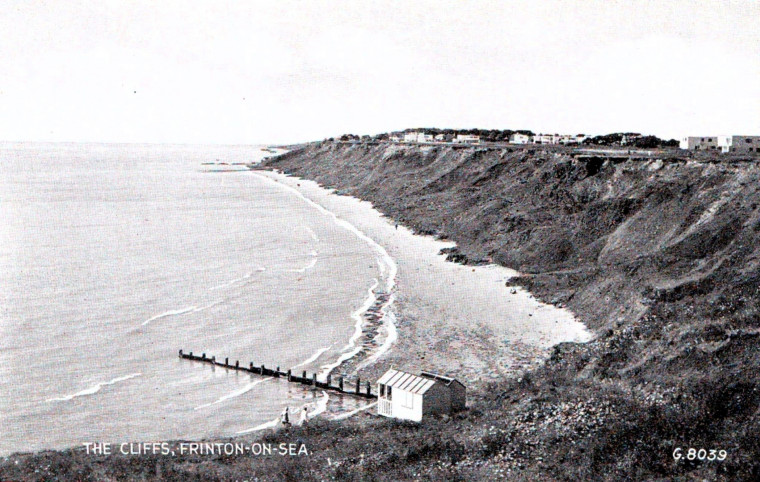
312, 381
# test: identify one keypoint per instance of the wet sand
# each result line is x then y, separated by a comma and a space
463, 321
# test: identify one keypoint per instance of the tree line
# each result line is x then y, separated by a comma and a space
502, 135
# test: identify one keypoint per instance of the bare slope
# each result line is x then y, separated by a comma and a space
661, 257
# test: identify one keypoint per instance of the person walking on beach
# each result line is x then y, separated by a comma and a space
304, 416
286, 416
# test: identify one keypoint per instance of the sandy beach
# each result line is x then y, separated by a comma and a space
463, 321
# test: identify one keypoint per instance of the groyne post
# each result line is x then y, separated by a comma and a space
277, 373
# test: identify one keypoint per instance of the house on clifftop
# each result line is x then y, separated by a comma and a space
739, 143
410, 397
420, 137
697, 143
466, 139
518, 138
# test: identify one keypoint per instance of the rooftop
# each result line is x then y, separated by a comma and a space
406, 381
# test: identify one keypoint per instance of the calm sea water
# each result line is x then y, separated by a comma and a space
113, 257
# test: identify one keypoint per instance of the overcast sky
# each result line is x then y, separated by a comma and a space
286, 71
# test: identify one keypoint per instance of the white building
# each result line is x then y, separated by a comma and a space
577, 139
417, 137
410, 397
410, 137
518, 138
466, 139
568, 139
697, 143
395, 138
546, 139
440, 138
739, 143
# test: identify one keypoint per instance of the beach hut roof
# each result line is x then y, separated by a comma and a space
406, 381
445, 380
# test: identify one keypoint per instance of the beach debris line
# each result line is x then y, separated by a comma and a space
374, 321
355, 388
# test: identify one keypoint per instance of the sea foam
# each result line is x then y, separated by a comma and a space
93, 389
182, 311
234, 394
388, 269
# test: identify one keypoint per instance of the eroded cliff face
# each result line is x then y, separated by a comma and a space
660, 257
603, 235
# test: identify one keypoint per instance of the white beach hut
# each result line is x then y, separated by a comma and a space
410, 397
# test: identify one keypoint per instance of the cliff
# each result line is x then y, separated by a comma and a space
659, 256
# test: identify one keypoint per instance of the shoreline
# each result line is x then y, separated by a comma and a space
379, 299
674, 359
464, 321
419, 316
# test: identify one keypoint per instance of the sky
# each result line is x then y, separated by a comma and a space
250, 72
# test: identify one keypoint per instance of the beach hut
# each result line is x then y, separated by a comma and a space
410, 397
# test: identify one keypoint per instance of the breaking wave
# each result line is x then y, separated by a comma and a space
234, 394
93, 389
182, 311
388, 270
316, 355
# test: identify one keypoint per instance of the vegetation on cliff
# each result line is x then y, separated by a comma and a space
503, 136
659, 256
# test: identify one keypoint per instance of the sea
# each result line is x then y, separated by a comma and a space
113, 257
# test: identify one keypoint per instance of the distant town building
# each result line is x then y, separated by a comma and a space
440, 138
546, 139
417, 137
697, 143
569, 139
410, 397
518, 138
466, 139
566, 139
739, 143
629, 139
395, 138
